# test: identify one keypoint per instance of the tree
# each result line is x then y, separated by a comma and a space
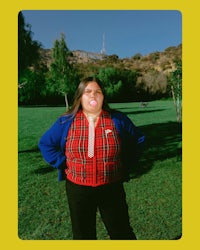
30, 68
28, 49
175, 81
137, 56
112, 84
120, 84
154, 83
62, 76
30, 91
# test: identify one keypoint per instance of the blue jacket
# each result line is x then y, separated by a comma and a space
52, 143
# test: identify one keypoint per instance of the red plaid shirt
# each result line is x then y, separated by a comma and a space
105, 166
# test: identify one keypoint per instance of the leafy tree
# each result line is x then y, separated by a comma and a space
120, 84
30, 66
28, 49
30, 91
109, 76
154, 82
137, 56
62, 78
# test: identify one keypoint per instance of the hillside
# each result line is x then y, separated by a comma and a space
159, 61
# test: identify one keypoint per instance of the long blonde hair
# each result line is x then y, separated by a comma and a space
76, 106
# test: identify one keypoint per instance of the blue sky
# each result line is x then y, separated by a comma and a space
126, 32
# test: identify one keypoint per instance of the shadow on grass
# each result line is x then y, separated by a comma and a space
44, 170
163, 141
36, 155
141, 111
32, 150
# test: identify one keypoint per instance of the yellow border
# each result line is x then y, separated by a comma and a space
191, 44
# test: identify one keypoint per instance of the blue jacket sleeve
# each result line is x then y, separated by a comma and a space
51, 145
132, 133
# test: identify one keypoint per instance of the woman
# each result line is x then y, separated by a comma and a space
95, 157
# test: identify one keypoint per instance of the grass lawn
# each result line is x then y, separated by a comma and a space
154, 195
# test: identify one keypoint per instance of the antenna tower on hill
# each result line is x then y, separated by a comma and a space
103, 50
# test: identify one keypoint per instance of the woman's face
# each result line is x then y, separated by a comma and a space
92, 98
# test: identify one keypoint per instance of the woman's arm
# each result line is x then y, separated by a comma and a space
50, 145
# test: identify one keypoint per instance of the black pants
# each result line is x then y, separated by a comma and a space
110, 200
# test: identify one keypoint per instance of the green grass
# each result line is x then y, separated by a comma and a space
154, 195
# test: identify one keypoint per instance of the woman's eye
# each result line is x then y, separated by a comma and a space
97, 92
87, 91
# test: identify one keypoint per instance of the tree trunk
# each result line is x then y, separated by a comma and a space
177, 104
66, 102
